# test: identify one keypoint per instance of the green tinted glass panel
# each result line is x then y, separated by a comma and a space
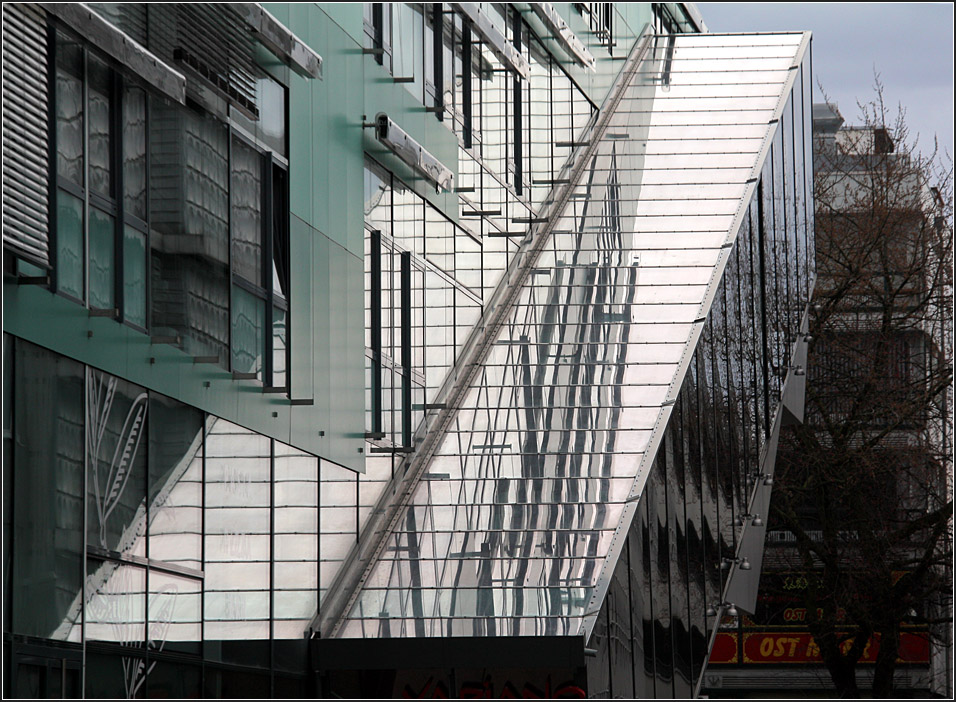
134, 276
69, 244
102, 264
28, 269
247, 331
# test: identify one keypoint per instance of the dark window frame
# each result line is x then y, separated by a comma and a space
112, 205
276, 224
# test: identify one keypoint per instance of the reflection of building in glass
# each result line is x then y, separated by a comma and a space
872, 460
556, 419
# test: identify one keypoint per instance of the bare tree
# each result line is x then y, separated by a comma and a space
864, 484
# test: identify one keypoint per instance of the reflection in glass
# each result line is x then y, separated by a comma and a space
338, 519
116, 464
280, 341
528, 482
134, 276
47, 564
237, 533
189, 213
102, 262
246, 199
248, 331
134, 152
70, 129
116, 608
99, 80
70, 259
175, 482
295, 541
174, 613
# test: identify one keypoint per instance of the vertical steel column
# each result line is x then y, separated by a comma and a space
375, 302
466, 81
438, 57
406, 281
518, 151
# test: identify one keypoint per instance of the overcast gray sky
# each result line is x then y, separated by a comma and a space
909, 45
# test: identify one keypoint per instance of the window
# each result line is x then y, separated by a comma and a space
664, 22
100, 211
378, 32
600, 17
172, 220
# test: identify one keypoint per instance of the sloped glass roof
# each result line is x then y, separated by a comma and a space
532, 485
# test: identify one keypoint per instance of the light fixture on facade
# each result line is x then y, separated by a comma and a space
766, 477
742, 563
754, 519
729, 609
411, 152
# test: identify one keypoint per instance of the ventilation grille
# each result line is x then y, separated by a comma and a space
208, 42
25, 158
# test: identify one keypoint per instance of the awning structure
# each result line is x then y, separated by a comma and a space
522, 491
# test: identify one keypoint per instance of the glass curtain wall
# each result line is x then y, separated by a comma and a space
514, 134
203, 547
707, 466
669, 264
514, 137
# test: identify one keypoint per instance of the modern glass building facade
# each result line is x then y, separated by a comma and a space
598, 451
582, 301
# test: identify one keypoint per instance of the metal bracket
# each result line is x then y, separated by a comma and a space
205, 359
110, 312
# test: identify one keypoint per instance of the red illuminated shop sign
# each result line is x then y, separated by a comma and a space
795, 647
725, 648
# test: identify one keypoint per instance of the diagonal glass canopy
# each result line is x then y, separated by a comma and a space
529, 488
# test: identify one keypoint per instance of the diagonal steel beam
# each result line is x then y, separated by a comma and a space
344, 590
